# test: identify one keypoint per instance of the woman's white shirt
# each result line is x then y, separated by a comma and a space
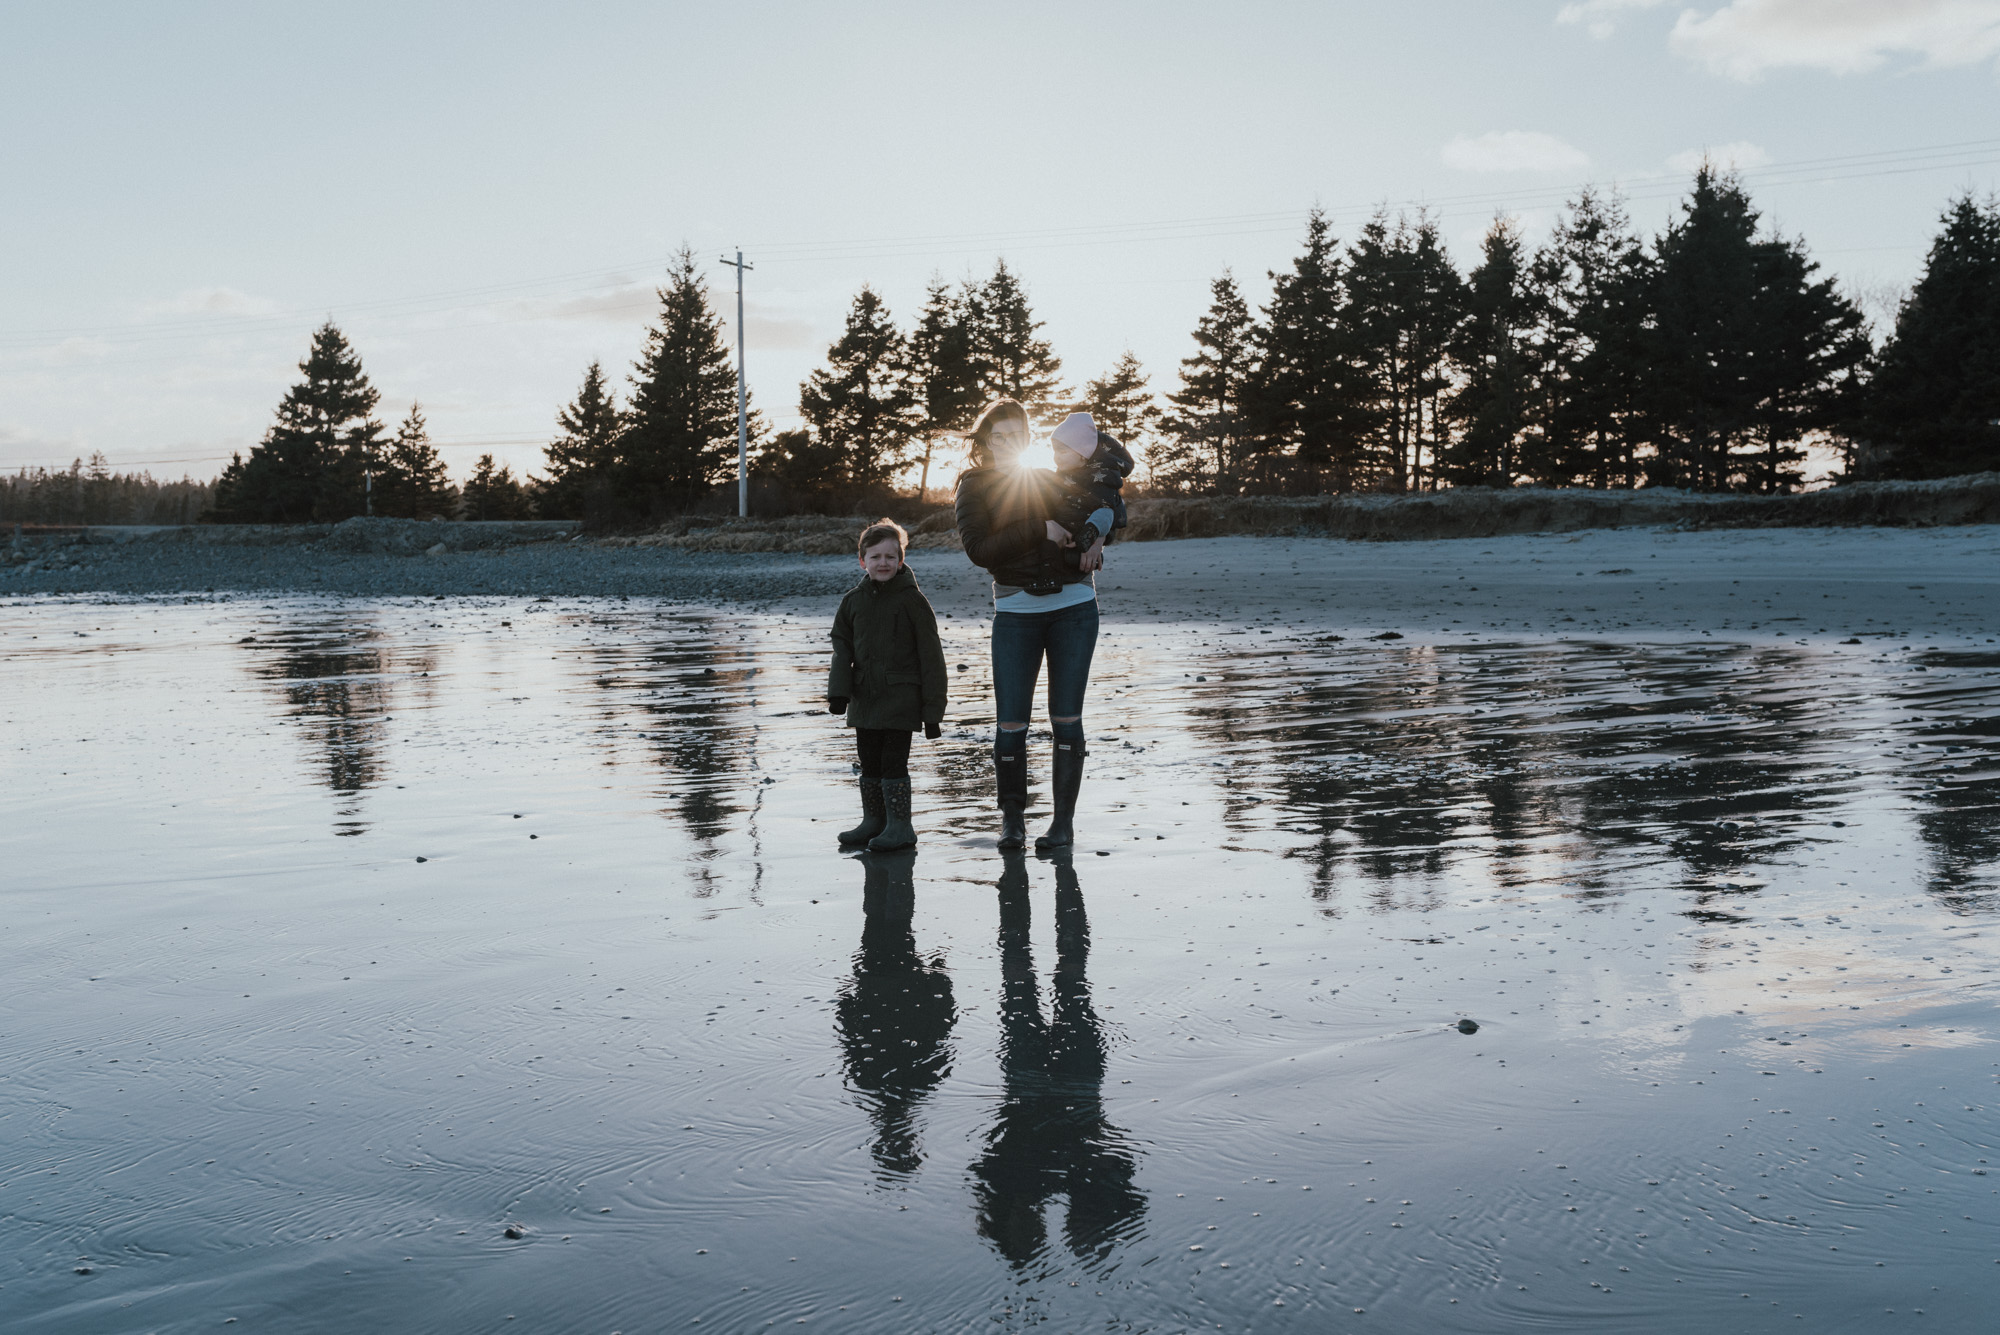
1072, 594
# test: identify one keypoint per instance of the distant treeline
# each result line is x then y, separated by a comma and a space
1709, 358
324, 459
90, 493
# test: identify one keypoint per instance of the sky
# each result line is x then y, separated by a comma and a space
484, 196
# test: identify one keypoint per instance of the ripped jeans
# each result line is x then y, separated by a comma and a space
1021, 640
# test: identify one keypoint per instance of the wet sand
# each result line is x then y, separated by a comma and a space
346, 936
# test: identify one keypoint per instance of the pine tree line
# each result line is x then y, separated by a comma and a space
883, 404
674, 440
90, 493
887, 402
1707, 358
324, 459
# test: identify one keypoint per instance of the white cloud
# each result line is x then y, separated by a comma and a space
1513, 151
1740, 155
1597, 15
211, 301
1747, 37
624, 301
1744, 38
634, 304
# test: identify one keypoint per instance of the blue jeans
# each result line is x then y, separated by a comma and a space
1022, 639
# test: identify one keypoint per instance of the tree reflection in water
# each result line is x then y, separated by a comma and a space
337, 678
1051, 1137
895, 1015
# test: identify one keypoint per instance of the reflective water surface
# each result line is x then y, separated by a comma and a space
423, 965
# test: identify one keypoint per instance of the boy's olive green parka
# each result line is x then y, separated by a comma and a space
887, 659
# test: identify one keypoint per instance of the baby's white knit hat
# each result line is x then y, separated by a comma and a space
1078, 435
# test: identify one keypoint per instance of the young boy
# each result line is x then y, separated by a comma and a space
1093, 467
888, 678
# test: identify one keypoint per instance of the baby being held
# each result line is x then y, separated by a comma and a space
1092, 467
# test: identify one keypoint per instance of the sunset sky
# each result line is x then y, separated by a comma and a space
482, 195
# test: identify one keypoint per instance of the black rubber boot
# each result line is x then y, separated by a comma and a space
1064, 783
897, 831
1010, 780
872, 815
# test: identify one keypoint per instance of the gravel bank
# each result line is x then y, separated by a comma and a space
343, 561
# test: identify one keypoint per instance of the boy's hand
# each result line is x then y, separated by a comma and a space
932, 732
836, 704
1059, 535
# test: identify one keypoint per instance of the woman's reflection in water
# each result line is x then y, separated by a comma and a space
1051, 1137
895, 1015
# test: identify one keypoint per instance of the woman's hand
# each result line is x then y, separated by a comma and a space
1060, 535
1093, 560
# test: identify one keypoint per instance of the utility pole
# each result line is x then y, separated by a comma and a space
742, 396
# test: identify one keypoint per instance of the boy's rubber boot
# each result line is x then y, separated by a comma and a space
873, 816
1010, 781
897, 832
1063, 785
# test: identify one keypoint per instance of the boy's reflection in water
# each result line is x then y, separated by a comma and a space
1051, 1137
895, 1015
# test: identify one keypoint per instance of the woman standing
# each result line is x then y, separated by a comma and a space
1042, 608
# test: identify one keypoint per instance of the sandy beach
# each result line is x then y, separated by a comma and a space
1787, 583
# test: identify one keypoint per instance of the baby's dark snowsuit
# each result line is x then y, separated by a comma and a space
1090, 485
888, 677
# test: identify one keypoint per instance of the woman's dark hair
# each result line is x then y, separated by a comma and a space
881, 531
979, 440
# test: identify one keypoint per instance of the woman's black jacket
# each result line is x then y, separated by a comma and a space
1003, 516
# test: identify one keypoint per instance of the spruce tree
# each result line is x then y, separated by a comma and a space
307, 465
1932, 407
1813, 342
680, 433
943, 377
585, 453
861, 403
494, 493
1746, 349
412, 481
1589, 288
1010, 359
1490, 406
1205, 443
1302, 397
1121, 403
1400, 319
811, 470
1703, 379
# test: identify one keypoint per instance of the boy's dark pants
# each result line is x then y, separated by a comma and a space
884, 752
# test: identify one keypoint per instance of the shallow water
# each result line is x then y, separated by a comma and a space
343, 938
